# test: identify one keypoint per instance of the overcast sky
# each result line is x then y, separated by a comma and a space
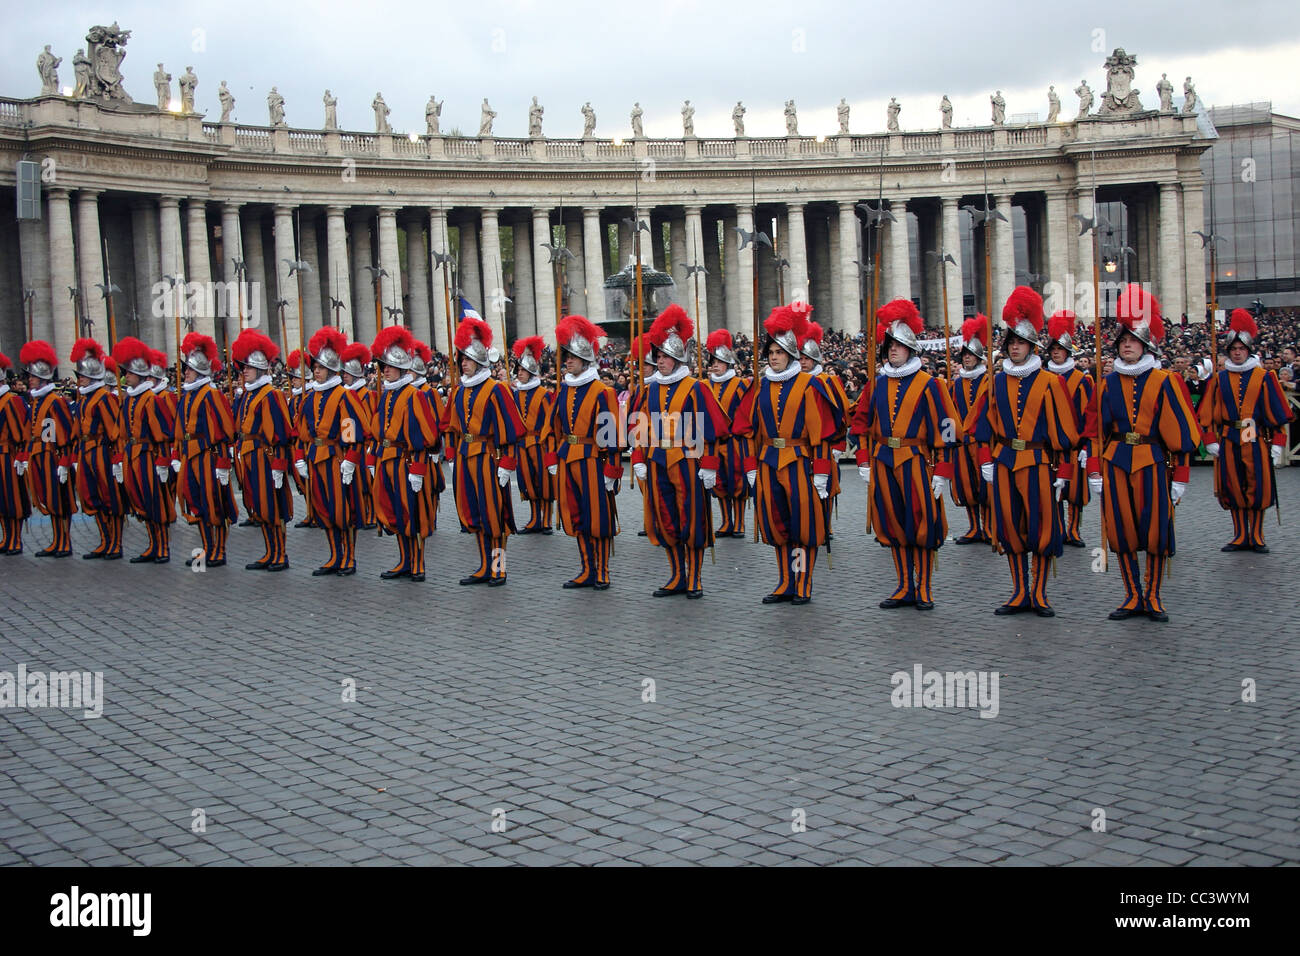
714, 53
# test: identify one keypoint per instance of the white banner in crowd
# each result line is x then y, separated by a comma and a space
936, 345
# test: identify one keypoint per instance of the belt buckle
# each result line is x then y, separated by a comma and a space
893, 441
666, 443
571, 438
1132, 438
1018, 444
778, 442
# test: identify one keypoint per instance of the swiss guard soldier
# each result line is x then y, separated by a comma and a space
205, 428
333, 431
481, 412
903, 421
729, 389
299, 390
1079, 389
15, 499
166, 402
969, 489
810, 360
788, 415
406, 433
98, 461
355, 359
147, 451
264, 438
48, 462
534, 402
1030, 434
680, 420
421, 360
1146, 431
1244, 409
587, 462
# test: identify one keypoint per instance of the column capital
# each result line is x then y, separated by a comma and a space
284, 209
540, 212
335, 211
59, 192
949, 202
1169, 187
795, 205
437, 212
846, 205
592, 211
88, 195
493, 210
389, 212
694, 210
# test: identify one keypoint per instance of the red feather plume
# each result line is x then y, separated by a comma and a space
470, 329
976, 328
721, 337
1136, 305
786, 319
671, 319
356, 351
572, 325
398, 335
110, 366
38, 351
814, 332
1061, 323
1024, 303
156, 357
294, 360
901, 310
4, 361
250, 341
423, 350
532, 344
327, 337
1243, 321
86, 347
198, 342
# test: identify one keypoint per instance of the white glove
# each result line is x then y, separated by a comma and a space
552, 470
864, 472
277, 478
1213, 449
709, 477
371, 469
1177, 490
416, 482
436, 457
62, 472
176, 466
1083, 458
503, 476
20, 467
609, 483
1058, 486
223, 476
639, 469
117, 472
752, 478
1094, 484
1275, 452
819, 483
939, 486
986, 471
836, 454
301, 467
162, 472
346, 471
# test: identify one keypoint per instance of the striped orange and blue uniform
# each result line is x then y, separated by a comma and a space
535, 483
370, 399
1146, 429
436, 479
678, 426
912, 428
486, 424
834, 386
52, 434
1244, 412
407, 433
332, 429
15, 497
148, 446
968, 486
731, 490
205, 427
297, 401
264, 440
1080, 388
99, 427
787, 421
165, 402
1030, 433
584, 424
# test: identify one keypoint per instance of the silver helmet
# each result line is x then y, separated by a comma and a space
477, 349
40, 367
578, 336
91, 367
719, 346
417, 366
158, 372
138, 366
1023, 315
398, 353
526, 359
812, 350
198, 360
329, 358
1241, 328
672, 324
901, 319
354, 367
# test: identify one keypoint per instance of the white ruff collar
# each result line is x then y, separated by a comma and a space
1065, 368
527, 386
1028, 367
790, 372
1145, 364
910, 367
4, 389
676, 375
40, 392
356, 386
332, 382
816, 369
588, 374
406, 379
133, 390
258, 383
87, 389
726, 376
161, 387
197, 383
976, 372
1246, 366
478, 378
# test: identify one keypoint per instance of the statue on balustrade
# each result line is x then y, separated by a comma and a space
1053, 105
47, 65
275, 106
485, 121
535, 118
106, 48
1084, 92
81, 69
999, 108
162, 84
1166, 91
381, 114
588, 120
188, 82
945, 107
1189, 96
892, 111
688, 119
842, 113
636, 120
738, 119
791, 119
227, 100
432, 115
331, 110
1120, 96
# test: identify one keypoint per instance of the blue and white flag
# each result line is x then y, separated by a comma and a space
467, 311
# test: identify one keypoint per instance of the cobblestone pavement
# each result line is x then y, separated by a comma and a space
771, 737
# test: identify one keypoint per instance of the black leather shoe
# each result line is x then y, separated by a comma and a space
394, 575
247, 523
777, 598
92, 556
321, 572
695, 595
1123, 614
346, 572
925, 605
1233, 547
796, 601
496, 582
475, 579
668, 592
1259, 548
1045, 611
417, 578
600, 586
143, 559
641, 533
162, 560
217, 564
575, 583
1076, 542
526, 530
739, 534
281, 566
965, 539
890, 603
113, 556
548, 531
1012, 609
1161, 616
257, 566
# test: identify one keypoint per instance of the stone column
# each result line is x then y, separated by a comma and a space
286, 285
1056, 233
440, 242
1194, 255
391, 289
697, 253
90, 265
34, 245
493, 308
950, 240
731, 300
836, 284
63, 274
543, 275
576, 269
199, 266
1004, 254
1084, 306
312, 301
173, 264
711, 291
898, 264
819, 268
364, 325
417, 278
679, 258
623, 254
525, 304
594, 263
766, 266
797, 277
259, 308
744, 288
1170, 272
233, 297
850, 315
337, 280
471, 284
